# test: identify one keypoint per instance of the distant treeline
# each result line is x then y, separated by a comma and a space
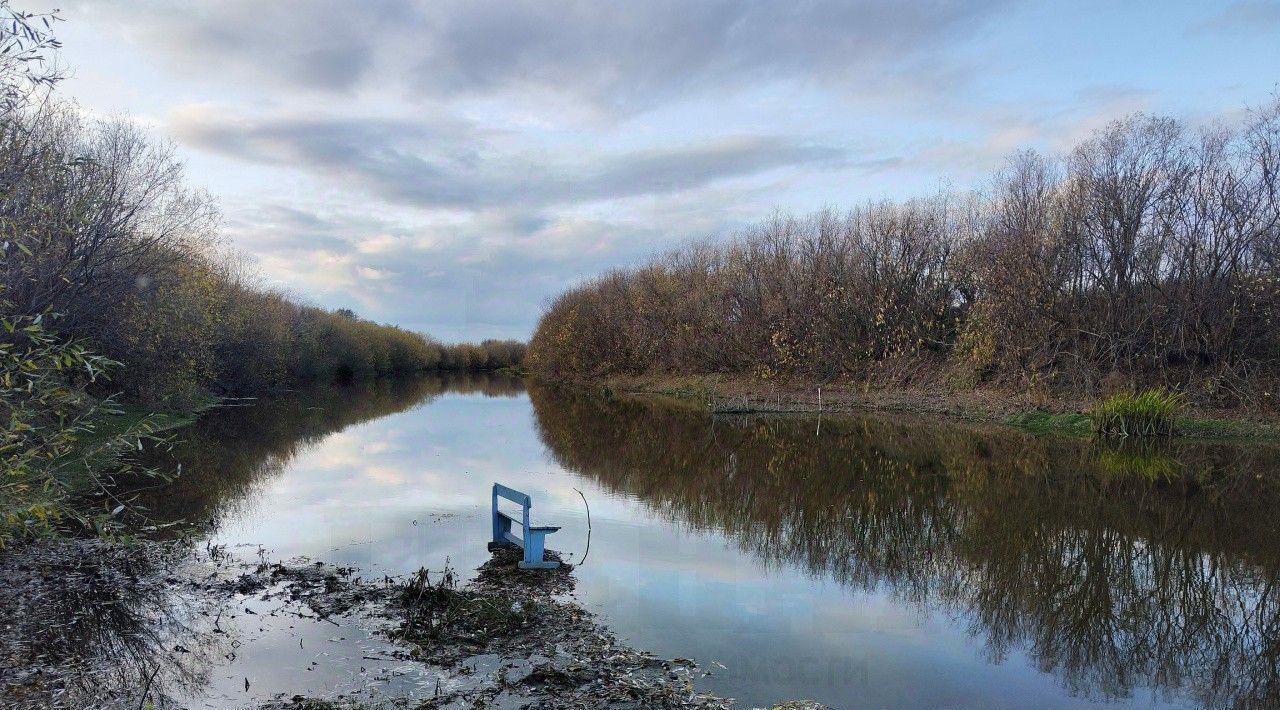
1148, 255
102, 237
118, 297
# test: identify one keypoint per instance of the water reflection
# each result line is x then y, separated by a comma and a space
89, 625
873, 555
225, 454
1113, 568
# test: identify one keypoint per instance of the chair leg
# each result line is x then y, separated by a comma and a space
534, 547
501, 526
493, 512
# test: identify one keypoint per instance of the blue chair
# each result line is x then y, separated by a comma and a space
533, 537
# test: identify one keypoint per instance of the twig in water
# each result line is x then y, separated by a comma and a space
588, 550
819, 430
147, 688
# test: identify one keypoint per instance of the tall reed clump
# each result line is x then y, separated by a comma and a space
1149, 413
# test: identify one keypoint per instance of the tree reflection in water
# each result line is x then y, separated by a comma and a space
88, 624
1114, 568
226, 454
92, 625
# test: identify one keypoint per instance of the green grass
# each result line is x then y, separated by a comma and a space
1225, 429
1081, 425
1152, 412
1039, 422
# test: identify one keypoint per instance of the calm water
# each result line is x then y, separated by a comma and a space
861, 562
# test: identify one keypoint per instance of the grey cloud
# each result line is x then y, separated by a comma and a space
449, 165
488, 276
629, 54
614, 55
318, 44
286, 228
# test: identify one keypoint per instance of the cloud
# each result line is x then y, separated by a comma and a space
325, 45
1053, 127
613, 56
1249, 16
451, 164
425, 162
435, 163
467, 276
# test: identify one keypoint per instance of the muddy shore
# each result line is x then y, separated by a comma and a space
93, 624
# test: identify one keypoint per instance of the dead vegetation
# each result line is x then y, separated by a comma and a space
99, 625
1149, 256
94, 624
524, 644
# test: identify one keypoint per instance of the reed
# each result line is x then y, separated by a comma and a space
1152, 412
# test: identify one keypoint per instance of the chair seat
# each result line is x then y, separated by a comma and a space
544, 528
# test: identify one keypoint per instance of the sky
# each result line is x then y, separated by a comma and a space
451, 165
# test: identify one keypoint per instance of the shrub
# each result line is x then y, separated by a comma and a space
57, 442
1150, 250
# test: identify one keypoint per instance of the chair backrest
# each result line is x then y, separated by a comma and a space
512, 495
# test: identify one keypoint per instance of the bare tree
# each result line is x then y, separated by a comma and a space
1146, 255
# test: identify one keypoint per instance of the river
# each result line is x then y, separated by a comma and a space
858, 561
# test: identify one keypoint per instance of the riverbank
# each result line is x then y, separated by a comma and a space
91, 623
709, 534
1036, 414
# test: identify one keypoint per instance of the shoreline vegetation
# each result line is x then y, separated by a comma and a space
124, 310
1062, 416
1145, 261
1108, 289
106, 249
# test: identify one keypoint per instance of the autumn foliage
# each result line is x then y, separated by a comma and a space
102, 238
1147, 256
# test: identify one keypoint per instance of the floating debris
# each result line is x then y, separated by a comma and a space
515, 639
92, 624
